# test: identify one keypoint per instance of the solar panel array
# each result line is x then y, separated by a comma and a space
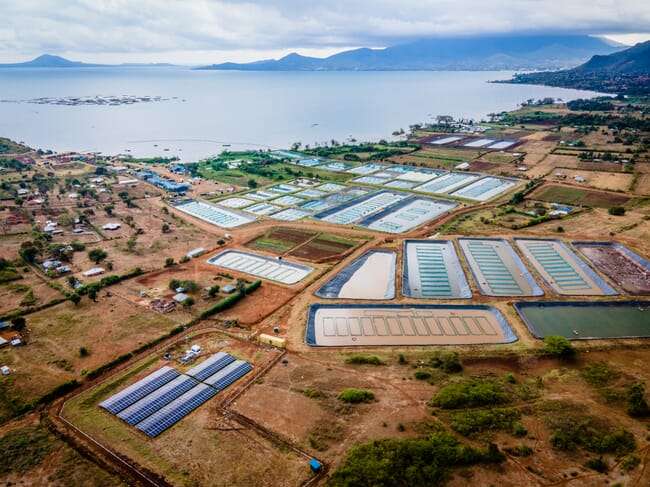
157, 399
211, 365
164, 397
140, 389
228, 375
176, 410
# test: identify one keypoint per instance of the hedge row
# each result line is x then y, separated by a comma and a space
33, 309
229, 301
108, 281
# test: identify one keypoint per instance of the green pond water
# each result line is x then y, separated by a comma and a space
595, 320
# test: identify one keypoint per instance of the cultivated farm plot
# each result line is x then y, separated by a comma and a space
304, 244
281, 240
323, 247
578, 196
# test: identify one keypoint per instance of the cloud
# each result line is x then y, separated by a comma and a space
155, 27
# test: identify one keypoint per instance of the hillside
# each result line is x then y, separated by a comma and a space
49, 61
472, 53
625, 72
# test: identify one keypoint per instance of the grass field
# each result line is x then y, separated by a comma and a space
271, 173
579, 196
55, 336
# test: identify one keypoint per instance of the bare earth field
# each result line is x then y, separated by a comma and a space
605, 180
206, 447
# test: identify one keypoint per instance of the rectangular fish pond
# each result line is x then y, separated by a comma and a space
628, 270
371, 276
497, 269
584, 320
337, 325
431, 269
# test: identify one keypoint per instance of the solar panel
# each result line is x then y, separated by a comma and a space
211, 365
176, 410
157, 399
228, 375
140, 389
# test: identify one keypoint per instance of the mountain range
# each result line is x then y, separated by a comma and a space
471, 53
625, 72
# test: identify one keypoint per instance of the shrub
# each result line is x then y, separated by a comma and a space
616, 211
364, 359
471, 423
470, 394
597, 464
83, 352
519, 451
413, 462
591, 434
356, 396
637, 406
169, 261
519, 430
630, 462
184, 259
597, 374
556, 346
422, 374
449, 362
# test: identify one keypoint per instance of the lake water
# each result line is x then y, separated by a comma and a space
207, 109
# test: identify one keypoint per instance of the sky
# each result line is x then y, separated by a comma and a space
211, 31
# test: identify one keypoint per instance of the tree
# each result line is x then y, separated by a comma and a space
212, 292
18, 323
616, 211
560, 347
165, 228
109, 209
252, 183
188, 302
92, 293
97, 255
75, 298
517, 198
169, 261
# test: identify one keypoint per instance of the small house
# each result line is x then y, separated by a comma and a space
95, 271
228, 289
4, 325
3, 342
4, 369
180, 297
272, 340
196, 252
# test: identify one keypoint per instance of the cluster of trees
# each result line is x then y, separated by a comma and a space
414, 462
